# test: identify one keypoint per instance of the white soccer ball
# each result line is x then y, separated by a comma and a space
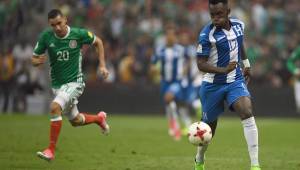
199, 133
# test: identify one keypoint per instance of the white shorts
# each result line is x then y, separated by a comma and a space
67, 97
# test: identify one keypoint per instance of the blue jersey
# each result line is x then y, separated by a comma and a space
221, 47
192, 72
172, 62
192, 78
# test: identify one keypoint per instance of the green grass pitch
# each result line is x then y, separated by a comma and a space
142, 143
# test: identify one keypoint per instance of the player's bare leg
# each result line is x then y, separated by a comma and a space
185, 118
243, 107
297, 95
55, 126
83, 119
172, 114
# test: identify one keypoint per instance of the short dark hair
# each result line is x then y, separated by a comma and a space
218, 1
54, 13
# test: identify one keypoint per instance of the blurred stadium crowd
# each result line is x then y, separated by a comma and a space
131, 29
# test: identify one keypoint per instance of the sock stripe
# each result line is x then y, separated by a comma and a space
56, 118
82, 118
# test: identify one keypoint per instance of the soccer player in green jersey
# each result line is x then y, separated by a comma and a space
293, 65
63, 44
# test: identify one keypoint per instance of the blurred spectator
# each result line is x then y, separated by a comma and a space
272, 28
22, 53
6, 77
22, 86
259, 16
127, 67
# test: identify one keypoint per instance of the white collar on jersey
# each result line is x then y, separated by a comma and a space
69, 30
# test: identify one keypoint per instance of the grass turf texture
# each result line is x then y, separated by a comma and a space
142, 143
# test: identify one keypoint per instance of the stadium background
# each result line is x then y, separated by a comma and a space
130, 30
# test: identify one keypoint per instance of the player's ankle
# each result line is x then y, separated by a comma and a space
52, 149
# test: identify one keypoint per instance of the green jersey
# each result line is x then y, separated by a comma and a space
294, 61
64, 54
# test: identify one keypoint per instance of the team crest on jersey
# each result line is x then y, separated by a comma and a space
199, 48
52, 45
73, 44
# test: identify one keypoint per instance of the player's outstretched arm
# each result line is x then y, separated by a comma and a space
100, 50
291, 66
207, 68
38, 60
246, 63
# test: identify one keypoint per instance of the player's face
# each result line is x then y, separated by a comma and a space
59, 25
184, 38
171, 37
219, 14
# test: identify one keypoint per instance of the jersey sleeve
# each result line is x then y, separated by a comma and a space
87, 37
191, 51
154, 59
41, 46
291, 61
155, 56
204, 45
186, 53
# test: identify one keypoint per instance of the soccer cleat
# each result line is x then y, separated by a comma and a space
102, 123
255, 168
177, 135
185, 131
174, 129
47, 154
199, 166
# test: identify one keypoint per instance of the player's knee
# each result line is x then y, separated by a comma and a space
74, 123
213, 126
246, 113
169, 98
77, 121
55, 109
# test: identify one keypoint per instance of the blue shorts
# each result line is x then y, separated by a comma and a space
171, 87
212, 97
189, 94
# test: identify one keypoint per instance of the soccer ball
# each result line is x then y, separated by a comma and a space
199, 133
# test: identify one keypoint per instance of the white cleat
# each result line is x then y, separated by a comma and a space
47, 155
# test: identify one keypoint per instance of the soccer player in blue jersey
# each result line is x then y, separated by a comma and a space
219, 52
192, 78
171, 57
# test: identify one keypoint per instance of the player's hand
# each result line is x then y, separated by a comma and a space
38, 60
230, 67
297, 75
247, 74
103, 72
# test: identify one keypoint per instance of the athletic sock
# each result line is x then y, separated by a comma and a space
251, 135
184, 115
55, 127
172, 114
200, 153
88, 118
